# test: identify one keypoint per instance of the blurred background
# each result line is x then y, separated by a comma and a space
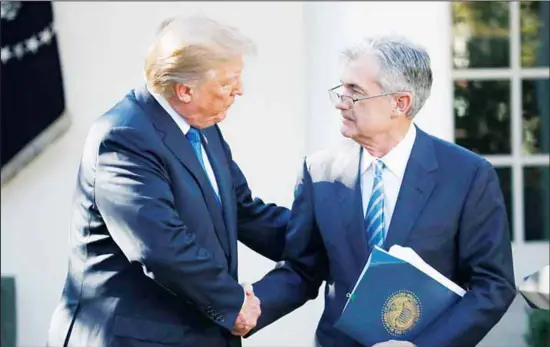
65, 64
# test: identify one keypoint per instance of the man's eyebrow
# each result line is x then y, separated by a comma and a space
352, 85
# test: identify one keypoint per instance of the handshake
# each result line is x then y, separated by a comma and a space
250, 312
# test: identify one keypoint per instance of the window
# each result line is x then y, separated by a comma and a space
501, 102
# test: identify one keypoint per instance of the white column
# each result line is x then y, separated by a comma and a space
327, 27
330, 26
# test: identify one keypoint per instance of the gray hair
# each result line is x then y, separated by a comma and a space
188, 48
403, 66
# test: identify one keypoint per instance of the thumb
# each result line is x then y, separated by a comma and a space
248, 289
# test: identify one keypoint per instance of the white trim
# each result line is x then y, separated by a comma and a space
482, 74
508, 160
533, 243
536, 160
35, 148
538, 73
516, 124
500, 74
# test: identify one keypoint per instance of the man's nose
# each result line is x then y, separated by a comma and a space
342, 106
239, 90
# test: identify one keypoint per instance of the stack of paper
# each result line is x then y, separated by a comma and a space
535, 289
407, 254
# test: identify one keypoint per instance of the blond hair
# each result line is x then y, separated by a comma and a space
188, 48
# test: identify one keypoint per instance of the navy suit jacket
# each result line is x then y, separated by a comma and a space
450, 210
153, 258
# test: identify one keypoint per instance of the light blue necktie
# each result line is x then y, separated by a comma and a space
374, 218
194, 137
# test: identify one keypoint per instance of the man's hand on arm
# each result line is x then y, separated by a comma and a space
249, 314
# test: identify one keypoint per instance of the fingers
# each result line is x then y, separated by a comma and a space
243, 326
251, 311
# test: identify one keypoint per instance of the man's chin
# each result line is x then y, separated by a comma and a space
346, 131
220, 119
213, 121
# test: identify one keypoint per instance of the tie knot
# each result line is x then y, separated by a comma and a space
378, 167
193, 135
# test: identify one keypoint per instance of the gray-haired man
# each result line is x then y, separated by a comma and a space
391, 183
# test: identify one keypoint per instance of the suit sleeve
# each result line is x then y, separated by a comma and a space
305, 265
260, 226
484, 262
133, 195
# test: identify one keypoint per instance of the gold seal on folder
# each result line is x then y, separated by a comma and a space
401, 312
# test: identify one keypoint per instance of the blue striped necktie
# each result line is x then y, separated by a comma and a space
374, 218
194, 137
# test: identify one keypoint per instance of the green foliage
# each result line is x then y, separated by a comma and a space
8, 337
538, 334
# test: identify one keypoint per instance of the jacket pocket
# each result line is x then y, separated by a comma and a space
147, 330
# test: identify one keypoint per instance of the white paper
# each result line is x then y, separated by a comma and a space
536, 288
410, 256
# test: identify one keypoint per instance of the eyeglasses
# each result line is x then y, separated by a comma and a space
337, 98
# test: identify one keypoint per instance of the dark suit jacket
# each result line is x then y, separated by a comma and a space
153, 258
450, 210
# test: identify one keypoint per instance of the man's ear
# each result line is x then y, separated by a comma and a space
183, 92
403, 103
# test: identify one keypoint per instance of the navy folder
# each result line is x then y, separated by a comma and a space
394, 300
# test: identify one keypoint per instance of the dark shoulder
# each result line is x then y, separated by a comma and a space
125, 119
452, 155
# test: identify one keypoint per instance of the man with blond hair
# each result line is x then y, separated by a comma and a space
160, 205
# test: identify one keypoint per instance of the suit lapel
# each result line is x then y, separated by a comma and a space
348, 190
216, 155
418, 183
176, 142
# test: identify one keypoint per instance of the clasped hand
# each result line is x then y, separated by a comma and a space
250, 312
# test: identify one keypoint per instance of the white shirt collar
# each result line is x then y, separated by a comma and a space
396, 159
180, 121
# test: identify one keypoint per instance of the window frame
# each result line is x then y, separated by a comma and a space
517, 160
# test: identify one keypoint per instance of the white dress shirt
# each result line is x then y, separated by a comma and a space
184, 126
395, 163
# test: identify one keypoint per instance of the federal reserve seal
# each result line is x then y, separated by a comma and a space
401, 312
